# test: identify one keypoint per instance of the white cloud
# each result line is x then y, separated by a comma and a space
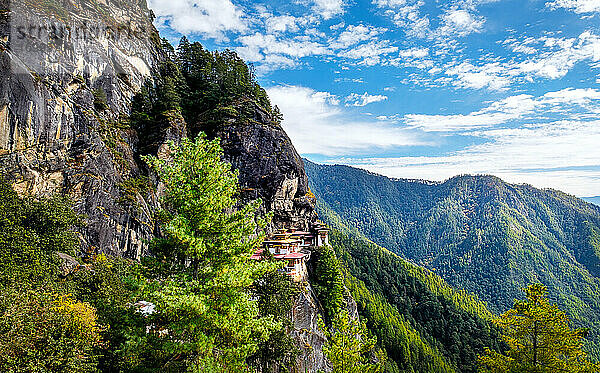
523, 107
369, 53
414, 53
317, 125
563, 155
469, 76
275, 61
349, 80
557, 63
407, 16
389, 3
211, 18
273, 48
353, 35
328, 8
365, 99
578, 6
284, 23
552, 59
545, 151
459, 22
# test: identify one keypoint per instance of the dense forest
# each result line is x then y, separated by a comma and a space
208, 89
478, 233
423, 324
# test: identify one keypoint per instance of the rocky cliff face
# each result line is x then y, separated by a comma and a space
270, 168
68, 72
306, 333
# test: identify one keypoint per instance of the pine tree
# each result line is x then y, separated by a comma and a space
205, 319
539, 338
349, 348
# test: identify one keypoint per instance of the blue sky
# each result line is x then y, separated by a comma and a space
423, 88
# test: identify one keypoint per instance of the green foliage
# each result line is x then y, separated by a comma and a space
349, 347
479, 234
46, 332
207, 89
100, 100
32, 231
406, 349
276, 292
220, 86
111, 132
158, 104
452, 322
133, 187
42, 327
206, 320
327, 281
110, 285
540, 339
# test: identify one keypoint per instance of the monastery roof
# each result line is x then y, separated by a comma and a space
290, 256
295, 256
287, 240
257, 254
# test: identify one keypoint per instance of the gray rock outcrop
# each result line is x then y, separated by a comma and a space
270, 169
68, 72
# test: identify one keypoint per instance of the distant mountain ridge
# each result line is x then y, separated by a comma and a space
479, 233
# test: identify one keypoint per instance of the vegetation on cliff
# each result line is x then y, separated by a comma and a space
198, 303
423, 324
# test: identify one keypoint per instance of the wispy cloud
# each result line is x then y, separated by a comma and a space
370, 53
328, 8
210, 18
365, 99
557, 146
567, 103
459, 22
563, 155
354, 34
271, 44
578, 6
318, 125
546, 58
458, 19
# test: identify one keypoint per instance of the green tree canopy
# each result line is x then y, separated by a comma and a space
349, 348
539, 338
205, 319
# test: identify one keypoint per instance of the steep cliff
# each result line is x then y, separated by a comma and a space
69, 71
270, 168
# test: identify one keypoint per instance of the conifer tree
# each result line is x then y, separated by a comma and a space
205, 319
349, 348
539, 338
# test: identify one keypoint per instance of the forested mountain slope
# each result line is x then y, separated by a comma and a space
479, 233
423, 324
